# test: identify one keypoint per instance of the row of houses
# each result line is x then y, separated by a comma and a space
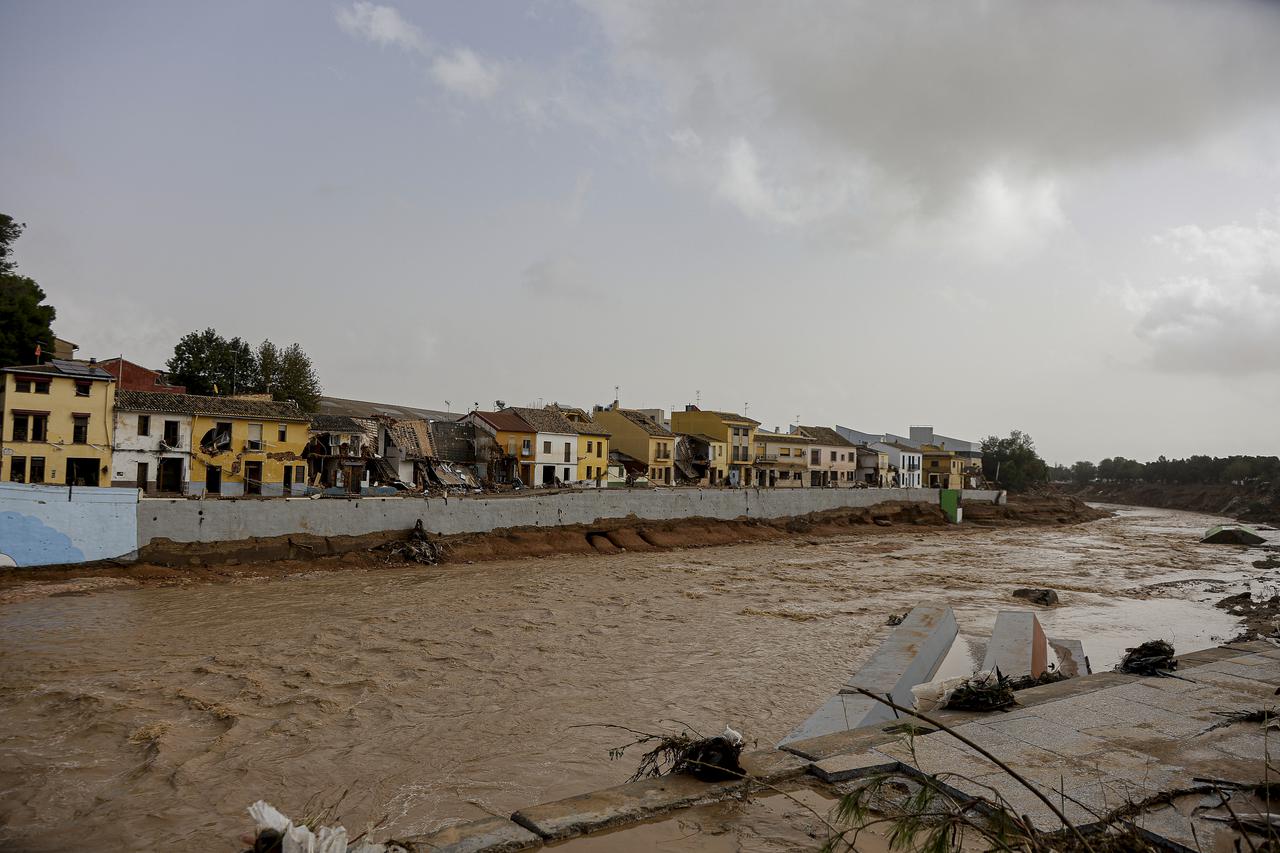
117, 423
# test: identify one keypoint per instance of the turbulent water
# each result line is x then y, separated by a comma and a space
145, 718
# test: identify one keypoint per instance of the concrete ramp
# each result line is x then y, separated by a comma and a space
1018, 646
910, 655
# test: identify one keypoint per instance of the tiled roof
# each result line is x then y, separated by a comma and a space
705, 438
364, 409
824, 435
506, 420
731, 416
645, 423
900, 446
782, 437
63, 367
414, 438
543, 420
192, 404
334, 423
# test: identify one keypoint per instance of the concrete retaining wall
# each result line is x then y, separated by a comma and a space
46, 525
229, 520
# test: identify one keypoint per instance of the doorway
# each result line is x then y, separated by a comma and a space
253, 478
169, 477
548, 475
213, 480
288, 479
82, 472
144, 474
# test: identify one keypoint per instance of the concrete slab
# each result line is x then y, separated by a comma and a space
773, 765
842, 768
1018, 645
490, 834
910, 655
1046, 733
619, 805
1071, 657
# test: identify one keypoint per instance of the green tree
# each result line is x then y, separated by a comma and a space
269, 366
1084, 472
298, 380
208, 363
1013, 462
24, 321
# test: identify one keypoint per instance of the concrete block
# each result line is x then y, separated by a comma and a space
1047, 733
841, 768
1072, 661
910, 655
623, 804
1018, 646
772, 765
490, 834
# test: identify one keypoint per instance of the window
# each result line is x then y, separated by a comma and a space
590, 447
526, 447
18, 469
171, 433
546, 447
282, 432
37, 469
144, 424
22, 385
588, 472
42, 386
82, 388
19, 429
568, 452
80, 429
833, 456
786, 451
599, 449
567, 476
255, 437
39, 427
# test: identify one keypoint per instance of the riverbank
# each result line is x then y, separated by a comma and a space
433, 694
164, 562
1258, 503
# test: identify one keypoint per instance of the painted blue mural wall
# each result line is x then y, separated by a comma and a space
45, 525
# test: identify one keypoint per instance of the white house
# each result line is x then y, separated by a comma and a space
905, 463
555, 446
152, 449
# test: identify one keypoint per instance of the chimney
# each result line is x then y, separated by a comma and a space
690, 407
92, 360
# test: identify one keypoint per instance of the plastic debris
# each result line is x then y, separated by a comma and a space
288, 838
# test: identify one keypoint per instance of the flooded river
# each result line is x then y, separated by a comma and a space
149, 718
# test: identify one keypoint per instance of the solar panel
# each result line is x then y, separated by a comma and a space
76, 368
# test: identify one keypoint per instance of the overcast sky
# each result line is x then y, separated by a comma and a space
1062, 217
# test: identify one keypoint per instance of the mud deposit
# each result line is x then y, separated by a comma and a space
146, 718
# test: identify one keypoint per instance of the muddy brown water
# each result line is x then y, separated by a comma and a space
144, 718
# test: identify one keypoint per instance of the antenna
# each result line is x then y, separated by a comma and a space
697, 397
448, 406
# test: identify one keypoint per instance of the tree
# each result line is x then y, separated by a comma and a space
268, 356
1084, 472
24, 321
208, 363
298, 380
1013, 462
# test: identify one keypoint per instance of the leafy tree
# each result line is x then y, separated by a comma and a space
10, 230
208, 363
1013, 462
268, 356
297, 379
24, 321
1084, 472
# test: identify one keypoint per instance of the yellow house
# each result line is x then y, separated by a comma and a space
738, 432
643, 439
244, 446
941, 469
593, 444
57, 423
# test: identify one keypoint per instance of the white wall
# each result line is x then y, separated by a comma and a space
556, 457
47, 525
130, 448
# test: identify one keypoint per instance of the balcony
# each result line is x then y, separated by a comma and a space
766, 459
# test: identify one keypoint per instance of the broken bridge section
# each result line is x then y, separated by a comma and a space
1018, 645
910, 655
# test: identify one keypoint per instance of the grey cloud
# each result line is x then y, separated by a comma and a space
914, 105
1223, 316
